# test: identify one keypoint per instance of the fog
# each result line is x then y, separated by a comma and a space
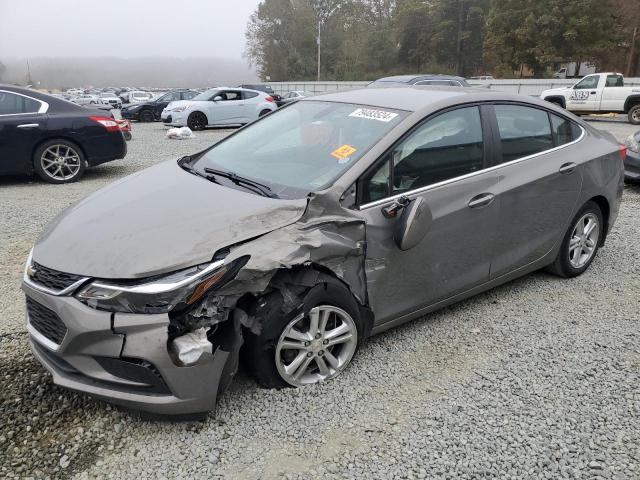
121, 42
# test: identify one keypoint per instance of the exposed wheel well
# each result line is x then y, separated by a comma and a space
603, 203
66, 139
631, 102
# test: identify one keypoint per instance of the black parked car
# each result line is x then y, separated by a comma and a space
426, 79
263, 88
632, 161
52, 137
150, 111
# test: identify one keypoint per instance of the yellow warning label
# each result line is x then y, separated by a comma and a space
343, 152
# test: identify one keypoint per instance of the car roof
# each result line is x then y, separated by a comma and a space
413, 78
416, 98
56, 102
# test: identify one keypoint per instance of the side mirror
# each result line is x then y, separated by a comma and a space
413, 224
217, 98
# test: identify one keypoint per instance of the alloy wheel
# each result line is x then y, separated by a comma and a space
635, 115
316, 347
60, 162
584, 240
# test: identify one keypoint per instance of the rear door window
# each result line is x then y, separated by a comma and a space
12, 104
523, 131
564, 131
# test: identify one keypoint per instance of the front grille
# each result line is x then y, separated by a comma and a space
46, 322
52, 279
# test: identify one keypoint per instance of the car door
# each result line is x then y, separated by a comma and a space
539, 185
22, 121
228, 110
585, 95
442, 162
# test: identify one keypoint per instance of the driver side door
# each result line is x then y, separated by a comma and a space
441, 161
585, 95
228, 110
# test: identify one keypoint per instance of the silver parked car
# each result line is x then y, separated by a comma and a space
218, 106
302, 234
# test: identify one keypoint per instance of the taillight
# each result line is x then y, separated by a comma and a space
622, 151
109, 123
269, 98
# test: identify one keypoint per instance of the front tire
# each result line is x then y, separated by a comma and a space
580, 243
634, 115
197, 121
59, 161
313, 343
147, 116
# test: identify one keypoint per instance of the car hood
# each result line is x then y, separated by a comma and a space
156, 221
560, 90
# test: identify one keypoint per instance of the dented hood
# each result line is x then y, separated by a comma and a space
156, 221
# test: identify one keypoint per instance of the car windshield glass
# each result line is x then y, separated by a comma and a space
206, 95
302, 148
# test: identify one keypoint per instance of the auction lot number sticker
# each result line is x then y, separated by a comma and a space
373, 114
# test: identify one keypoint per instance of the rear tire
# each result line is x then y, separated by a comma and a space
634, 115
59, 161
580, 245
197, 121
265, 353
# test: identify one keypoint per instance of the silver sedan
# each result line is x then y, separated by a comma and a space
294, 239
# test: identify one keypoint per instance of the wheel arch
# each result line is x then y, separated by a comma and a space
605, 208
631, 101
203, 113
65, 138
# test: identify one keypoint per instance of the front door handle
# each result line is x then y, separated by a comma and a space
567, 168
481, 200
29, 125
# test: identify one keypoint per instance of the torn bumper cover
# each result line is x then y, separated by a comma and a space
134, 360
126, 362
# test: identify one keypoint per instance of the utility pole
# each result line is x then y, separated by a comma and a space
319, 27
632, 52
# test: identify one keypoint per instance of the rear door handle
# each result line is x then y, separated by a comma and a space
29, 125
567, 168
592, 93
481, 200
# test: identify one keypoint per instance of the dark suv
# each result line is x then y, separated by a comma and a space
150, 111
263, 88
450, 80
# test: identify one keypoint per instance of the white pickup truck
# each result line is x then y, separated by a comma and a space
598, 93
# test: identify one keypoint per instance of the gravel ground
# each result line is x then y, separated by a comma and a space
535, 379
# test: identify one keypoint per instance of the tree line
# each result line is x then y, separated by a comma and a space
365, 39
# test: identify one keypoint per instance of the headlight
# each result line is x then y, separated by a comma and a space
159, 294
632, 143
181, 108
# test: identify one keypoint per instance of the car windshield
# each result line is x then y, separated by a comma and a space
206, 95
302, 148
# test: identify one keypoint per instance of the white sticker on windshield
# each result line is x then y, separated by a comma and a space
373, 114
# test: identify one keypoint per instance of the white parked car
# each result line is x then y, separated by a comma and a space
111, 99
598, 93
138, 96
219, 106
87, 100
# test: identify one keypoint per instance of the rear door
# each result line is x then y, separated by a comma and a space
442, 162
585, 95
22, 121
539, 185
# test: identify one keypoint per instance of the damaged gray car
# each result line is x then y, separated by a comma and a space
294, 239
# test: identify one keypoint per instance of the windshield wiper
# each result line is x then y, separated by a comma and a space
239, 180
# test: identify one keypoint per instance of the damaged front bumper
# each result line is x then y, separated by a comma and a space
124, 358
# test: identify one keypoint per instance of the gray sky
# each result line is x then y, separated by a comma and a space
123, 28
